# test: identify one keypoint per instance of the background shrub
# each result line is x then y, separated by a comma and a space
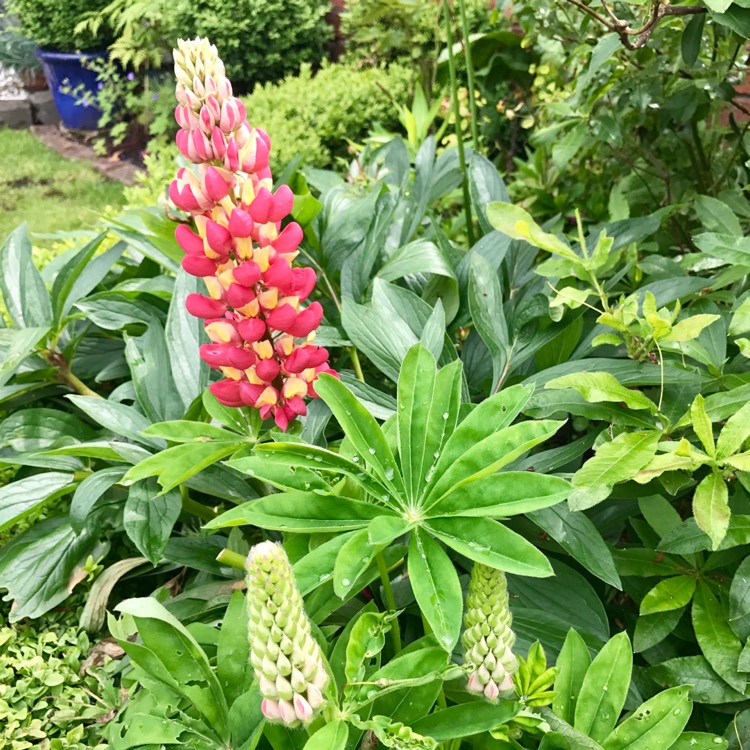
260, 40
51, 23
318, 115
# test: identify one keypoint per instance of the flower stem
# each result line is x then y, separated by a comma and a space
389, 600
231, 559
76, 383
356, 364
469, 76
457, 115
197, 509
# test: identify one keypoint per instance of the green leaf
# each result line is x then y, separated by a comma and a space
184, 334
117, 418
734, 433
572, 663
492, 453
282, 476
604, 688
707, 686
352, 560
175, 465
304, 511
31, 430
504, 494
177, 653
740, 322
416, 389
149, 518
518, 225
185, 431
362, 429
699, 740
26, 297
692, 39
653, 629
671, 593
436, 588
702, 426
486, 308
417, 257
466, 719
688, 328
384, 529
366, 641
19, 499
739, 601
657, 723
616, 461
332, 736
486, 541
602, 386
233, 668
719, 644
711, 507
579, 537
23, 341
719, 6
89, 491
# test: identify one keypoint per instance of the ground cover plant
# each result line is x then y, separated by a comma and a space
384, 459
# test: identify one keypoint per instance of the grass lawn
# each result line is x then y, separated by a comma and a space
49, 192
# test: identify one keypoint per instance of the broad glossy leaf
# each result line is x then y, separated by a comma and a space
657, 723
302, 511
282, 476
40, 567
177, 464
669, 594
149, 518
20, 499
233, 668
711, 507
719, 644
602, 386
23, 341
699, 740
688, 538
24, 293
708, 687
31, 430
653, 629
89, 491
384, 529
579, 537
332, 736
604, 689
417, 257
572, 663
362, 429
739, 601
616, 461
316, 567
734, 433
492, 453
353, 558
504, 494
702, 425
486, 541
466, 719
185, 431
117, 418
436, 588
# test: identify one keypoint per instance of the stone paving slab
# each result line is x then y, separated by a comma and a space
115, 169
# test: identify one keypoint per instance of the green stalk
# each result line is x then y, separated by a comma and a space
231, 559
356, 364
389, 600
457, 115
469, 75
197, 509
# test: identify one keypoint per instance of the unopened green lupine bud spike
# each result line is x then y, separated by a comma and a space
488, 638
287, 660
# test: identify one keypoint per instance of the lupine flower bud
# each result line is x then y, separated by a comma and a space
488, 639
287, 660
255, 295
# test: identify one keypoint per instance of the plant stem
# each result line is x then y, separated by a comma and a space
469, 75
232, 559
76, 383
389, 600
193, 506
354, 354
457, 115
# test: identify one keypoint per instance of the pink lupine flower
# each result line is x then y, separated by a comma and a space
261, 334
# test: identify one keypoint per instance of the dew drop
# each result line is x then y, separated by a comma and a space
355, 458
676, 712
308, 456
436, 454
345, 582
605, 688
389, 473
318, 459
371, 451
445, 415
307, 485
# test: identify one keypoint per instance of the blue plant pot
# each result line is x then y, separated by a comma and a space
65, 72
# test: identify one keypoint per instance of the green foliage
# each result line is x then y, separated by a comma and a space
47, 695
53, 24
319, 115
261, 40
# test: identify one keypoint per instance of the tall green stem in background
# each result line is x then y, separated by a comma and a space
469, 75
457, 115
